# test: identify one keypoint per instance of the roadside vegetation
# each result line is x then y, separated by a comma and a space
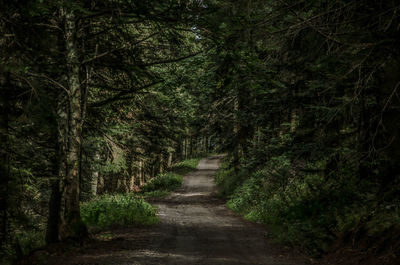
311, 210
164, 183
118, 209
115, 210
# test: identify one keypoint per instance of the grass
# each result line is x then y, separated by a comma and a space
163, 184
120, 209
185, 166
294, 214
309, 210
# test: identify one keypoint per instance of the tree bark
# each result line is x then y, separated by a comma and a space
4, 162
161, 164
170, 154
71, 225
53, 220
95, 175
236, 129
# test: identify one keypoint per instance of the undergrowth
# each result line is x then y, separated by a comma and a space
111, 210
185, 166
25, 241
119, 209
163, 184
307, 209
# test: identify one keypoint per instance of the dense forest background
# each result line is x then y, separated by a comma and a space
102, 96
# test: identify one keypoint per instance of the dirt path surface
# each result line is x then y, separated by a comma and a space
196, 228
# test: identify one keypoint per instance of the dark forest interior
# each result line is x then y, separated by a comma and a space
106, 104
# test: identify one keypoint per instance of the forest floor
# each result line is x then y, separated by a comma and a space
195, 228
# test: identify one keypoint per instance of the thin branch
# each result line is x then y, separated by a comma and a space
380, 123
27, 81
51, 81
120, 95
307, 22
96, 57
174, 60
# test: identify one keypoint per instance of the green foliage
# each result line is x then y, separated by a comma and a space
122, 209
310, 210
24, 242
185, 166
30, 240
163, 182
226, 180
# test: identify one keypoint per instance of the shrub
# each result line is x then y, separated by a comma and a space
29, 240
306, 209
121, 209
227, 180
185, 166
163, 182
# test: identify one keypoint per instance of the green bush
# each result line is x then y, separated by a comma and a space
23, 243
308, 209
163, 182
227, 180
29, 240
121, 209
185, 166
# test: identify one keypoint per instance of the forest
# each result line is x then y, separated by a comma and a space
107, 104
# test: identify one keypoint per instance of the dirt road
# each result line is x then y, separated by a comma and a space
196, 228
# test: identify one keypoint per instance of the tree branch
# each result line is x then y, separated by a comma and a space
120, 95
174, 59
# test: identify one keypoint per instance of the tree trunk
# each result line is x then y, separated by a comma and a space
130, 175
190, 146
71, 225
95, 176
170, 159
179, 150
140, 173
390, 113
236, 128
161, 164
185, 148
53, 220
4, 162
